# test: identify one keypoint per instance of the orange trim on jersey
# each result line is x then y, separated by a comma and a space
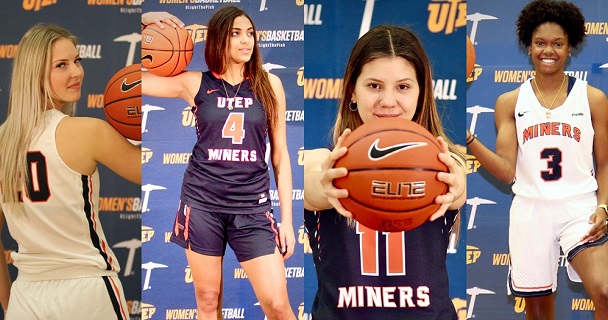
272, 225
186, 223
117, 293
91, 203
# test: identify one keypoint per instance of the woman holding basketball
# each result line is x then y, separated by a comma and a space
228, 201
50, 188
559, 201
387, 75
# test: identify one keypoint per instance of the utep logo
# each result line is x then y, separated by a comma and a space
198, 32
474, 203
475, 111
188, 274
474, 292
446, 15
147, 189
132, 245
188, 119
303, 239
476, 18
473, 253
145, 109
300, 80
133, 39
301, 153
37, 4
472, 164
147, 311
146, 155
149, 266
146, 233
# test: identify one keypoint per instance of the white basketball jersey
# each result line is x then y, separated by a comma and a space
60, 236
555, 153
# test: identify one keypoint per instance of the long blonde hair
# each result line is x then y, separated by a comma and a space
30, 95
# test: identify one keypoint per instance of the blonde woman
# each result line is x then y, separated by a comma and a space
50, 188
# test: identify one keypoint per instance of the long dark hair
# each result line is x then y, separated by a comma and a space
218, 36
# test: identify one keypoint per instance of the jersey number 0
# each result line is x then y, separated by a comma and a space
38, 187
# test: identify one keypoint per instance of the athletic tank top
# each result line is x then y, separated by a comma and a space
60, 235
366, 274
555, 155
227, 172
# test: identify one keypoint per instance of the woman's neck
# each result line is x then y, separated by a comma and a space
234, 74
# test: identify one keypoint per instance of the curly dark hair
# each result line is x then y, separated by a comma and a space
537, 12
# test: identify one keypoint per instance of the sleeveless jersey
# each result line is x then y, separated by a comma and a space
366, 274
227, 172
60, 235
554, 156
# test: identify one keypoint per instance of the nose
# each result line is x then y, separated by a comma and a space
77, 70
388, 99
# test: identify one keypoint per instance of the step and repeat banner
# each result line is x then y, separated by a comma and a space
109, 39
169, 135
332, 28
502, 65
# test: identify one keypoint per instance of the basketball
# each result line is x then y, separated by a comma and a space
392, 174
165, 52
470, 57
122, 101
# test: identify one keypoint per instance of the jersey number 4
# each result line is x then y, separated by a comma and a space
234, 127
554, 160
38, 186
368, 246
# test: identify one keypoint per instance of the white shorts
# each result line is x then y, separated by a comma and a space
99, 298
537, 230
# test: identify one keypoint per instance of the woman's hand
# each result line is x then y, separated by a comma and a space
159, 17
598, 228
329, 173
455, 179
287, 240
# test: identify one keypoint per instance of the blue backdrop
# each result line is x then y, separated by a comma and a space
169, 135
332, 28
502, 65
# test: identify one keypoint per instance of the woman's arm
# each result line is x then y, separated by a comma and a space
5, 278
598, 104
184, 85
282, 169
502, 163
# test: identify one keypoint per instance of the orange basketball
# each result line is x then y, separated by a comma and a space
165, 52
392, 174
122, 101
470, 57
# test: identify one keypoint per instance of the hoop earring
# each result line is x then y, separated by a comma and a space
350, 106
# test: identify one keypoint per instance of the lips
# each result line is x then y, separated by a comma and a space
388, 115
75, 86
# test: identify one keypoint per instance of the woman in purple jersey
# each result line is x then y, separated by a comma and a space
225, 190
388, 74
559, 201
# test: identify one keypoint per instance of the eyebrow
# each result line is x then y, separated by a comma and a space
235, 28
378, 80
66, 59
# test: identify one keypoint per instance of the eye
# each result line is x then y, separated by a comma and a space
78, 60
234, 33
403, 87
374, 85
250, 33
559, 45
539, 43
60, 65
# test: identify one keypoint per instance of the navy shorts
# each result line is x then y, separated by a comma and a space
249, 235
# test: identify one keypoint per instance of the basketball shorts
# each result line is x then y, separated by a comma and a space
537, 231
97, 298
249, 235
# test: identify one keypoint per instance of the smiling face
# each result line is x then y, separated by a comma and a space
550, 48
66, 72
386, 87
241, 41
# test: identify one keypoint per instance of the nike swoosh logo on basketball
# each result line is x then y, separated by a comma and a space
124, 87
376, 153
209, 91
147, 57
521, 114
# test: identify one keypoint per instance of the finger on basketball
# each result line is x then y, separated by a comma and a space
439, 213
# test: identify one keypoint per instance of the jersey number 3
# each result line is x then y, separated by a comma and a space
554, 160
395, 251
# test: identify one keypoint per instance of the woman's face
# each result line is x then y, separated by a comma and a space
241, 41
66, 72
549, 48
386, 87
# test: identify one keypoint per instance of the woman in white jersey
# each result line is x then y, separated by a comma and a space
50, 188
550, 131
